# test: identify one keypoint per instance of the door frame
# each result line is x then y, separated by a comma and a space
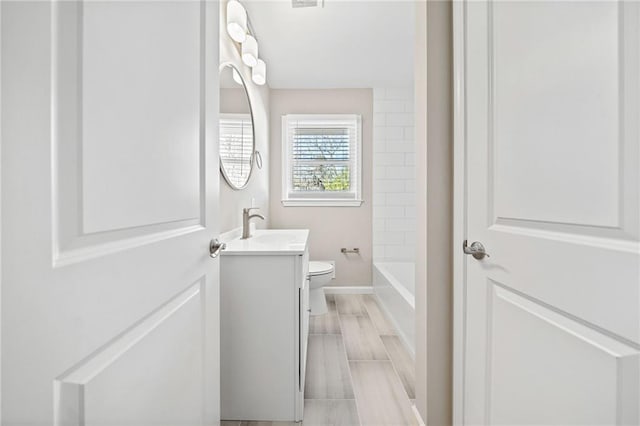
1, 212
459, 209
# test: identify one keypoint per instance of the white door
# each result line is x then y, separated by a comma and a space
549, 107
109, 189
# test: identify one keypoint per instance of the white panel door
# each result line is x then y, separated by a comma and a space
110, 179
550, 96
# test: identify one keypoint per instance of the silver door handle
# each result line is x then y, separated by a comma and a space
476, 249
215, 247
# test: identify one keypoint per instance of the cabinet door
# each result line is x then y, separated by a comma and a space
303, 330
304, 323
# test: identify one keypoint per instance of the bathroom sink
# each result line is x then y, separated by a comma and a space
269, 241
275, 238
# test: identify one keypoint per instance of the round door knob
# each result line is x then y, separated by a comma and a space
215, 247
476, 249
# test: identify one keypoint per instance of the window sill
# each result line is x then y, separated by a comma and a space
322, 203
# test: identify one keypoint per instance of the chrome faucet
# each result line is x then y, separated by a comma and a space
246, 227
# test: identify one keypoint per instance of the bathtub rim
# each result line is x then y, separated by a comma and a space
396, 283
407, 336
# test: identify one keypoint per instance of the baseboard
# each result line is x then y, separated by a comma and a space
356, 289
417, 414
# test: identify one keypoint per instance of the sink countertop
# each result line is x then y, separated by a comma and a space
269, 242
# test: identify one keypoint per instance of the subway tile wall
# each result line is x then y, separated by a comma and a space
394, 198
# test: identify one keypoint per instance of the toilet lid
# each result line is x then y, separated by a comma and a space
320, 268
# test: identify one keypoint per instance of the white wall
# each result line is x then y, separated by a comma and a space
232, 201
331, 227
394, 195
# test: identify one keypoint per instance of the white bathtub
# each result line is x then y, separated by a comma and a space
394, 286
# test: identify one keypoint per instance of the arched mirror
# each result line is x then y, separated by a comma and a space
237, 142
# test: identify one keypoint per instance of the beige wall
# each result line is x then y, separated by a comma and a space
331, 227
434, 138
233, 101
232, 201
420, 87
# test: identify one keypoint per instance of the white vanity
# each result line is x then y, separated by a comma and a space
264, 325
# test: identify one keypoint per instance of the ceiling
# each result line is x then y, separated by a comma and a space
345, 44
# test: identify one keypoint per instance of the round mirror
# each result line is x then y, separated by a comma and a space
236, 128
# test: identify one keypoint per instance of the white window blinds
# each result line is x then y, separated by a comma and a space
322, 159
236, 146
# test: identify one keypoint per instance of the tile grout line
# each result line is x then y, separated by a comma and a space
344, 346
364, 313
329, 399
393, 364
375, 300
389, 360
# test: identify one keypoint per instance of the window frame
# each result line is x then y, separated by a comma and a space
351, 198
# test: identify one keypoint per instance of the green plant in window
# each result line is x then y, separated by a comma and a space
325, 177
337, 181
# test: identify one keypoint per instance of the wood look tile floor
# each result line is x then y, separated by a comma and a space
361, 339
328, 323
328, 374
358, 371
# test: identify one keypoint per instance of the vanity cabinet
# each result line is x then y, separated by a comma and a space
264, 301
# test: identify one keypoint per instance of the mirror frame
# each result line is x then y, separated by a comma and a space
253, 129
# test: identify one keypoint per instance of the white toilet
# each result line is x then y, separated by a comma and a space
320, 273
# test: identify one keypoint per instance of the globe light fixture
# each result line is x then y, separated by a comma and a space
236, 21
259, 73
250, 51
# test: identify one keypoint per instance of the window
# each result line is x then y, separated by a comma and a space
236, 147
321, 157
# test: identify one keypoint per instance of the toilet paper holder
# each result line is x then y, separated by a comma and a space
344, 250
